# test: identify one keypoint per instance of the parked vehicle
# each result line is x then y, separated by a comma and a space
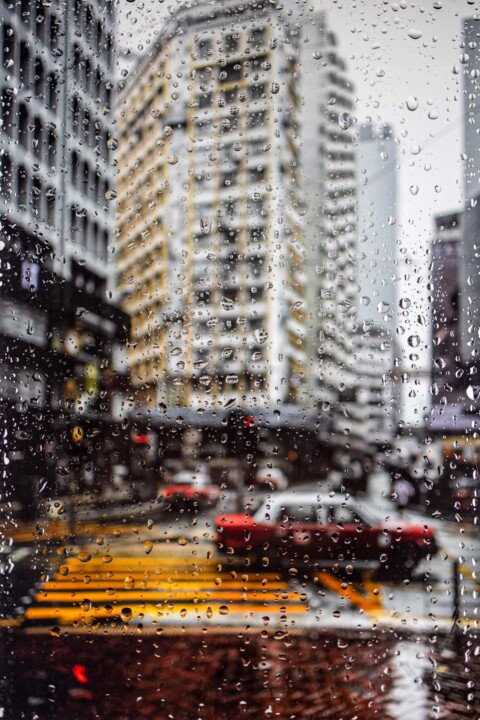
316, 530
190, 489
270, 479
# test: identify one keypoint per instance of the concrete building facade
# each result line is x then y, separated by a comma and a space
210, 230
57, 128
328, 175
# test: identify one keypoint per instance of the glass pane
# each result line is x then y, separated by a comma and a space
239, 280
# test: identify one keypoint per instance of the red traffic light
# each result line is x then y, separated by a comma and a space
141, 439
249, 421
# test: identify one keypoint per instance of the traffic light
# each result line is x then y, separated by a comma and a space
242, 435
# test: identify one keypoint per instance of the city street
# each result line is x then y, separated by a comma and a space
162, 577
148, 590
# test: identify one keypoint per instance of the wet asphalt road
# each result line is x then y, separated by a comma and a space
212, 676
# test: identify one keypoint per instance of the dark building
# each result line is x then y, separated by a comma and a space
63, 386
448, 374
64, 381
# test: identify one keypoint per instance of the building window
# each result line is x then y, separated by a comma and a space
6, 177
205, 49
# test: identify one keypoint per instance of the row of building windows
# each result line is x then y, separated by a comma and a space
43, 23
90, 77
93, 29
87, 127
29, 131
87, 180
231, 43
29, 193
87, 233
48, 27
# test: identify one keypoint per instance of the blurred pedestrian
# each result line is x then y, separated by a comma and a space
403, 492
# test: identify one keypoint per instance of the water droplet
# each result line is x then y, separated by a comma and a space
260, 336
413, 340
107, 559
433, 115
167, 131
415, 34
155, 113
414, 189
182, 540
129, 582
55, 631
172, 159
63, 570
110, 195
223, 610
84, 556
411, 103
473, 392
227, 304
274, 88
86, 605
148, 546
317, 55
344, 120
205, 226
126, 614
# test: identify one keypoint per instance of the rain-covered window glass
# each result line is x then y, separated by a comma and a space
239, 359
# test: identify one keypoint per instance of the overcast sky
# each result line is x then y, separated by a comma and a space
394, 51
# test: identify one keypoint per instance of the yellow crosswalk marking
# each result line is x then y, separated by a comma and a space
172, 588
142, 584
99, 596
369, 603
66, 615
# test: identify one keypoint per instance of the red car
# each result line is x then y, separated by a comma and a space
190, 488
305, 527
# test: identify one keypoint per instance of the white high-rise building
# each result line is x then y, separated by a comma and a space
328, 175
56, 122
469, 257
376, 292
210, 228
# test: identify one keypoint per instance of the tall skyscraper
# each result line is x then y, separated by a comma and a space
210, 229
448, 375
376, 290
377, 249
327, 169
469, 259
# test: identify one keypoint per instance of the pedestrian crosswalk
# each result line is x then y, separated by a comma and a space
160, 591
